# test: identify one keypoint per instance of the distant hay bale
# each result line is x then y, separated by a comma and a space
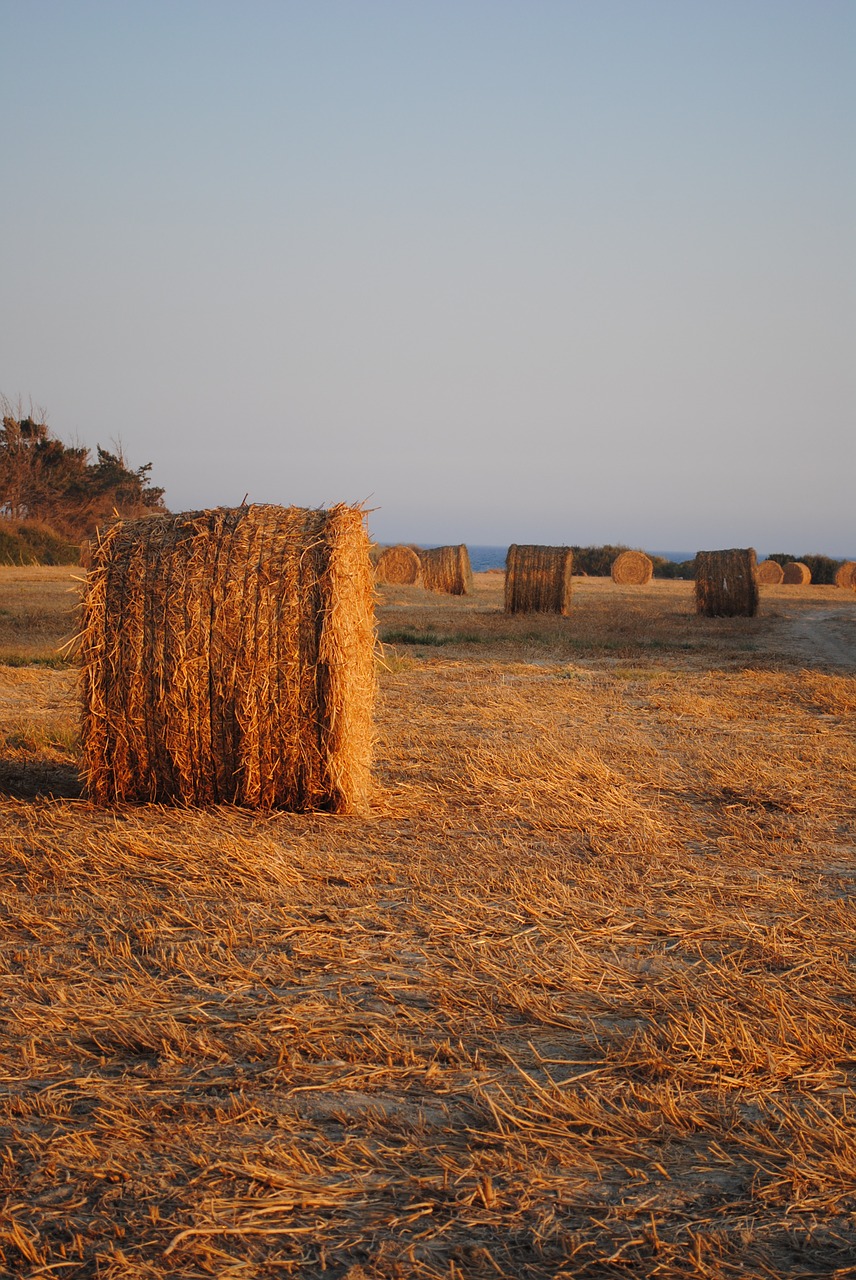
447, 569
770, 572
632, 568
538, 579
845, 575
726, 584
228, 657
398, 566
796, 574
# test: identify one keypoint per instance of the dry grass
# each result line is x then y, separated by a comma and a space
576, 998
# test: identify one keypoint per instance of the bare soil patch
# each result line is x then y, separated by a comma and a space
574, 998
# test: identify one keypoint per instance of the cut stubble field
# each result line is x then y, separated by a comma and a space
574, 998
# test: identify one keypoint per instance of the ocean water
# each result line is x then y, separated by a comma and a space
482, 558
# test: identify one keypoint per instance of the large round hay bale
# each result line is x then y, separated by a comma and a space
726, 583
447, 569
399, 566
845, 575
228, 657
632, 568
796, 574
770, 572
538, 579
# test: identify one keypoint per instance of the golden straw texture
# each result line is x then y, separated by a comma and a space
538, 579
846, 574
227, 657
796, 574
447, 569
399, 566
770, 572
726, 584
632, 568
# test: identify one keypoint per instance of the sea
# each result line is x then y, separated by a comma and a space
484, 558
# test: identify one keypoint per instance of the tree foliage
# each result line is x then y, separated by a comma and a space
44, 480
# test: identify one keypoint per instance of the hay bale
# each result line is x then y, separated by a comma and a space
845, 575
632, 568
538, 579
770, 572
227, 657
726, 583
400, 566
447, 569
796, 574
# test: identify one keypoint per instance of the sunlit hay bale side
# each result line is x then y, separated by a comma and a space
227, 657
845, 575
632, 568
538, 579
399, 566
447, 569
796, 574
770, 572
726, 584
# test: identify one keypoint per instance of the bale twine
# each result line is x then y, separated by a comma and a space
447, 569
398, 566
796, 574
726, 584
770, 572
538, 579
845, 575
632, 568
227, 657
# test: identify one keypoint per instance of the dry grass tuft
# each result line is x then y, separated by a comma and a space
575, 998
227, 656
632, 568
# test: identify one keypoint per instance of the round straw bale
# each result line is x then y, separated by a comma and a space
726, 584
538, 579
796, 573
227, 657
632, 568
845, 575
770, 572
447, 569
399, 565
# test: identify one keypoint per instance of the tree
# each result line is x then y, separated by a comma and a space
43, 479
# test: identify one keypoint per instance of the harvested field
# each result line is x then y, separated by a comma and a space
574, 999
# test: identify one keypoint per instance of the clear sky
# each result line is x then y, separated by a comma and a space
570, 271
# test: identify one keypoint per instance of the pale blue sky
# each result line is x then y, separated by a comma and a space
576, 271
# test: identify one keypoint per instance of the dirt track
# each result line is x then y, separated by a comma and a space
825, 637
